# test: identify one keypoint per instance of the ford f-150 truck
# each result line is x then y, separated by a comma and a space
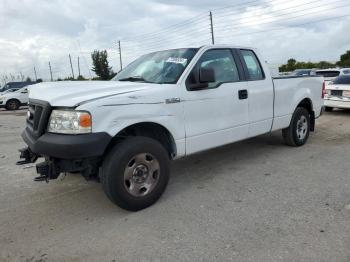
163, 106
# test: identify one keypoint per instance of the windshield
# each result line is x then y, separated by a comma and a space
342, 80
164, 67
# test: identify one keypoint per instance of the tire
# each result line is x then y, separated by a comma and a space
328, 109
12, 104
135, 173
299, 129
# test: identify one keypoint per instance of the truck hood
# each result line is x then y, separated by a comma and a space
74, 93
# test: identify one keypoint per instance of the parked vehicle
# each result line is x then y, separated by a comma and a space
15, 85
331, 74
338, 93
304, 72
14, 99
163, 106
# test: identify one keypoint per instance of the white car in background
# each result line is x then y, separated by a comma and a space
337, 93
13, 100
332, 73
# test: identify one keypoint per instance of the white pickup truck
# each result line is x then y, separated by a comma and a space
163, 106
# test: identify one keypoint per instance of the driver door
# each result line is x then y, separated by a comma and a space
215, 113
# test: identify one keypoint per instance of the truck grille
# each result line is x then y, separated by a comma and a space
337, 92
38, 116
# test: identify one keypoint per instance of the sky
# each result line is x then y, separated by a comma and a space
36, 32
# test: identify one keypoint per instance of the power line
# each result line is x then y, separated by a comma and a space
285, 19
272, 12
283, 28
199, 18
85, 61
196, 19
287, 14
187, 34
162, 32
246, 3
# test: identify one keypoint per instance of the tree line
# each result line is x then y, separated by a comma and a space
293, 64
100, 66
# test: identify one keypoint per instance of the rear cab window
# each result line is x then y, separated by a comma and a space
252, 65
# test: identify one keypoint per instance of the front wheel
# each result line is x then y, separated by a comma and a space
135, 173
328, 109
299, 129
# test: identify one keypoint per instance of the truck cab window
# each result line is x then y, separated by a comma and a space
255, 71
221, 62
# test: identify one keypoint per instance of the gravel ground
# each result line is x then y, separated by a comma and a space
256, 200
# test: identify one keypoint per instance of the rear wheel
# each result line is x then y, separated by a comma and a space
12, 104
328, 109
135, 173
299, 129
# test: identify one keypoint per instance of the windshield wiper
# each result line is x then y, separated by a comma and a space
133, 78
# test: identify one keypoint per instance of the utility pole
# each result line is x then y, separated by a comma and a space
71, 66
36, 77
211, 27
78, 67
50, 71
120, 56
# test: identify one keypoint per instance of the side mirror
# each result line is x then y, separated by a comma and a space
207, 75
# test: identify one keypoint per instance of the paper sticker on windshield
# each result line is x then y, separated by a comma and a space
177, 60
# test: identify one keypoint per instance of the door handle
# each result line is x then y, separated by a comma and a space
243, 94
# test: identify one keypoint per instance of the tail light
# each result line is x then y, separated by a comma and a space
323, 89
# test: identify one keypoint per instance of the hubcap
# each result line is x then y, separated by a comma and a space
302, 128
141, 175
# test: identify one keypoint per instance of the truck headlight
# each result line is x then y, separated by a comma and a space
346, 93
70, 122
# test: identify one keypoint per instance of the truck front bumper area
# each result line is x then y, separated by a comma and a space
65, 153
68, 146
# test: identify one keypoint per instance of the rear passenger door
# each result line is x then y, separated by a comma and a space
260, 93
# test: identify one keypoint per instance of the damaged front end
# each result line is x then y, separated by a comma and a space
62, 153
51, 167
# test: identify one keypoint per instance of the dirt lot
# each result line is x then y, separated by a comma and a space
256, 200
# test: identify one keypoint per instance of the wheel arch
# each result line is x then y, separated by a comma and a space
307, 104
152, 130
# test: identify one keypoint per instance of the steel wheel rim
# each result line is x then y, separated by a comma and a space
141, 174
302, 128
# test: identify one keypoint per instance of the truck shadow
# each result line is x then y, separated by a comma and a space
194, 170
339, 112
